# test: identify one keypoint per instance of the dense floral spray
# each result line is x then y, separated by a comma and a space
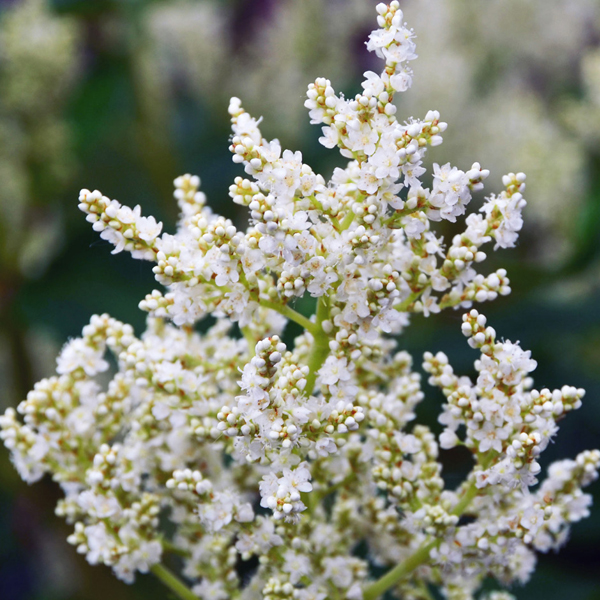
308, 457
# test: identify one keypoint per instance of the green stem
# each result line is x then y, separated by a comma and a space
391, 578
421, 555
311, 501
400, 214
173, 549
347, 221
464, 502
320, 350
173, 582
403, 306
291, 314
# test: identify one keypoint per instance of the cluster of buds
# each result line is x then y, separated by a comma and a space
295, 454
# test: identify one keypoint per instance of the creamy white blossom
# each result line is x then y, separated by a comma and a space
295, 454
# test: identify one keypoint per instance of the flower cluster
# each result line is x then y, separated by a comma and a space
506, 115
252, 447
514, 113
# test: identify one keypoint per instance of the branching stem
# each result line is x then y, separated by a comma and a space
391, 578
173, 549
404, 306
321, 348
173, 582
291, 314
420, 556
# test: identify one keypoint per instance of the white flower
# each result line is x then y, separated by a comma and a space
339, 571
297, 565
295, 481
78, 355
334, 370
532, 519
491, 437
325, 447
362, 138
448, 439
385, 160
148, 228
210, 590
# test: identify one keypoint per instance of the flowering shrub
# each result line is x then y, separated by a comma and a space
222, 447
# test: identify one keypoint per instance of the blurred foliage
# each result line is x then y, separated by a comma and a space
125, 130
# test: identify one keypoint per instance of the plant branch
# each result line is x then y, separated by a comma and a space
173, 582
391, 578
467, 498
404, 306
173, 549
421, 555
320, 350
291, 314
